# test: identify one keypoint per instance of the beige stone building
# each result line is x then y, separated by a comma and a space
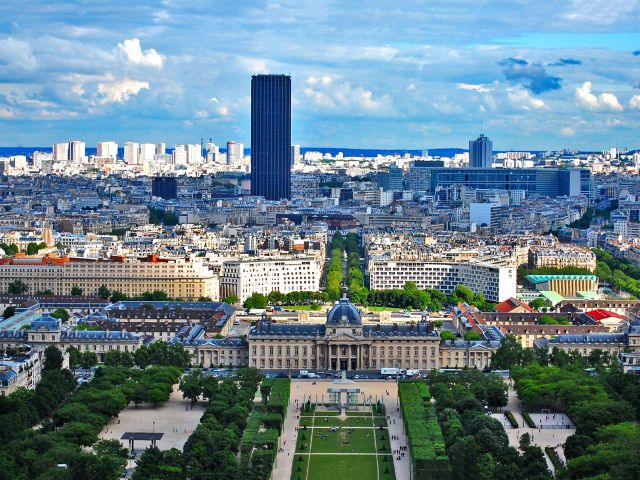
179, 277
561, 256
345, 343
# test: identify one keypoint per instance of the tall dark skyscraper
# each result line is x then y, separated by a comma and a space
480, 152
271, 136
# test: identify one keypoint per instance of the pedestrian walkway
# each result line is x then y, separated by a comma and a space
397, 435
376, 390
287, 443
541, 437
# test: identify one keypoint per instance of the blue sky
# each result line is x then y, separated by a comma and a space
368, 74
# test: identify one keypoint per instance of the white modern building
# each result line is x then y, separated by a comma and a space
132, 153
235, 153
107, 150
60, 152
246, 276
496, 283
77, 151
147, 152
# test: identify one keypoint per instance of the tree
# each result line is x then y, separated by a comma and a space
117, 296
76, 291
74, 357
18, 287
472, 336
62, 314
104, 292
230, 299
256, 300
508, 355
191, 386
52, 358
447, 335
265, 390
10, 311
88, 359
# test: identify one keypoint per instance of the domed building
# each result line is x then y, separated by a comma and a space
342, 343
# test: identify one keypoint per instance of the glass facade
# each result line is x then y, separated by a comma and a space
548, 182
271, 136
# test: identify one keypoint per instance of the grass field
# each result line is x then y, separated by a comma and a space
329, 447
374, 308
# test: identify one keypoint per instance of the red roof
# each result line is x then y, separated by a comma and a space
511, 304
601, 314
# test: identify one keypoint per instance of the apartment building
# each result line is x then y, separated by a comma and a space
560, 257
47, 331
496, 283
179, 277
23, 370
283, 274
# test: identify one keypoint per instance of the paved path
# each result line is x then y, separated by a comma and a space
375, 389
540, 437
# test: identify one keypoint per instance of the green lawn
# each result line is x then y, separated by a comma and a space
317, 445
303, 307
374, 308
342, 467
385, 463
360, 440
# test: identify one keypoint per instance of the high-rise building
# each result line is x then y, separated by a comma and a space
61, 152
271, 136
295, 154
213, 152
76, 151
235, 153
480, 152
147, 151
161, 148
164, 187
107, 150
391, 180
131, 153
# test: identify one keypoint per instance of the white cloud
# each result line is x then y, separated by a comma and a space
202, 114
223, 110
214, 100
378, 53
133, 51
119, 91
605, 102
6, 113
567, 131
411, 87
475, 88
253, 65
340, 97
187, 124
16, 53
635, 102
523, 99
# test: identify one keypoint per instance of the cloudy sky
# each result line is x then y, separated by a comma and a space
368, 74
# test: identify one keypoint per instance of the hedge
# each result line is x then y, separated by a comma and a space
527, 419
555, 459
428, 454
259, 448
511, 418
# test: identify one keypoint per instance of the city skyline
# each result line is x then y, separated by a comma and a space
426, 76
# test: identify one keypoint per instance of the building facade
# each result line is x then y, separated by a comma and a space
342, 343
496, 283
480, 152
284, 275
271, 136
178, 277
